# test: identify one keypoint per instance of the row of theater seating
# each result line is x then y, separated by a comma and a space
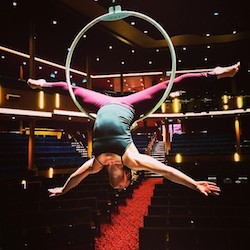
202, 143
49, 151
32, 220
179, 218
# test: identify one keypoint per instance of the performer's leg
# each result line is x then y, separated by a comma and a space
89, 99
145, 100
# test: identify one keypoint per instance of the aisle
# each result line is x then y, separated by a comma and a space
123, 233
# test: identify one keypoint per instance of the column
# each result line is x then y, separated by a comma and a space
88, 71
31, 145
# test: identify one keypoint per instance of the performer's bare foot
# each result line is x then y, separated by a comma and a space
36, 84
230, 71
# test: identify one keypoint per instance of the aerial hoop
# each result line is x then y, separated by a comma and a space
116, 13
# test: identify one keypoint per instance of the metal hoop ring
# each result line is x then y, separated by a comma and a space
112, 16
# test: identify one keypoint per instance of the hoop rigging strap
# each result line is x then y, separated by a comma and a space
116, 13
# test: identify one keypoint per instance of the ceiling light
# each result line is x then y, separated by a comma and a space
54, 22
123, 62
2, 57
184, 48
97, 59
40, 67
207, 34
14, 3
110, 47
208, 46
145, 32
205, 59
132, 23
216, 13
234, 32
150, 62
157, 50
132, 51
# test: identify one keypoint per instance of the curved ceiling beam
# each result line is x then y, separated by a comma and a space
130, 35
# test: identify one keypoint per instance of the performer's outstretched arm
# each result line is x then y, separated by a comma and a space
75, 178
134, 160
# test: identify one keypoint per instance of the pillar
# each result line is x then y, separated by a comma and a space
121, 84
166, 136
88, 71
31, 145
32, 73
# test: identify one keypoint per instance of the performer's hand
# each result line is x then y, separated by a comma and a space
208, 188
55, 191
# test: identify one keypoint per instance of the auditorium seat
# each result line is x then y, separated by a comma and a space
181, 239
152, 238
213, 238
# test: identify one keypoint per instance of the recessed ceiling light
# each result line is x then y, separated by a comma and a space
132, 23
14, 3
207, 34
54, 22
208, 46
234, 32
145, 32
216, 13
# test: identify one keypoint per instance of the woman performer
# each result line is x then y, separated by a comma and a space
113, 147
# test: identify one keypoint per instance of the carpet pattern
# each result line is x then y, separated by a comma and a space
123, 233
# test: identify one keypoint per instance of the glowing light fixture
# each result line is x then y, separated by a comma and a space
51, 172
236, 157
176, 105
57, 100
164, 107
24, 184
41, 100
239, 102
178, 158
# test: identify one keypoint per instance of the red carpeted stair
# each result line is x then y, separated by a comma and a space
123, 233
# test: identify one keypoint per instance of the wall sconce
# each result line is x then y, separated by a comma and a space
178, 158
50, 172
57, 100
236, 157
41, 100
176, 105
239, 102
